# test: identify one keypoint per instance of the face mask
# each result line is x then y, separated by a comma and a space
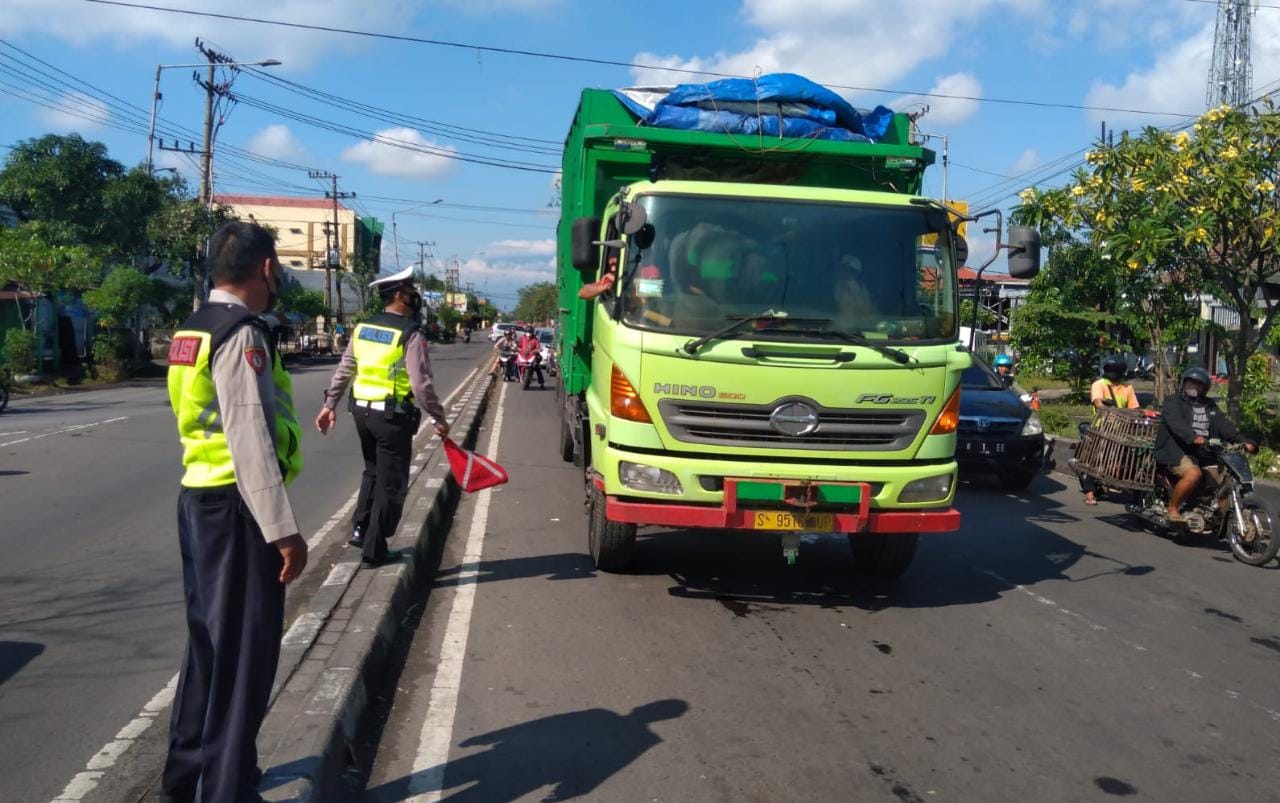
272, 296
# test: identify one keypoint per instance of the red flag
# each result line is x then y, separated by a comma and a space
473, 472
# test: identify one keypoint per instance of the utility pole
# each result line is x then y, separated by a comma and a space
333, 253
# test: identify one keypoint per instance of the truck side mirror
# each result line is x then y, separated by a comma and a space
585, 253
1024, 252
961, 246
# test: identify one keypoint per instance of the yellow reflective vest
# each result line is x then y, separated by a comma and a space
378, 347
194, 398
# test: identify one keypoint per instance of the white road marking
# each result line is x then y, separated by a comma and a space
427, 776
1092, 625
85, 782
62, 431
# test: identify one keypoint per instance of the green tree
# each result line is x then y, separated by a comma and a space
82, 196
1184, 214
537, 303
307, 303
121, 295
178, 232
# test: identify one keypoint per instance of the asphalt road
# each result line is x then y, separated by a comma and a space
1045, 652
91, 623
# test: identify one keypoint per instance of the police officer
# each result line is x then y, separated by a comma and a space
238, 536
386, 365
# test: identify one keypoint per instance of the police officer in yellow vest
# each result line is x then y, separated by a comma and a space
387, 359
238, 536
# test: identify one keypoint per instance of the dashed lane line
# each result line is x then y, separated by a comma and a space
62, 431
1196, 677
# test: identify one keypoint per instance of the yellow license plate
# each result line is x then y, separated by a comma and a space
784, 520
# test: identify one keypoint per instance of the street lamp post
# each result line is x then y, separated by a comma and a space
155, 97
395, 238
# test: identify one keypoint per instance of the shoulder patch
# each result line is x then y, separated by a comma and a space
184, 350
256, 356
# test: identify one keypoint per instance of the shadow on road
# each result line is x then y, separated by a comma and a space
14, 655
574, 753
1005, 540
565, 566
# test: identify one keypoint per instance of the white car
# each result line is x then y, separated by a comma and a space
498, 330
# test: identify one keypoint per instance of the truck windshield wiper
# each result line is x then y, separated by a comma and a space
897, 355
741, 323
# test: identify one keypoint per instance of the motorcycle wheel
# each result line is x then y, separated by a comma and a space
526, 379
1259, 545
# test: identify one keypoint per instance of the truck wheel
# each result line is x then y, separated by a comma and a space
883, 554
566, 437
610, 543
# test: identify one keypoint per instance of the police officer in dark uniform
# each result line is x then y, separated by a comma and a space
238, 536
386, 366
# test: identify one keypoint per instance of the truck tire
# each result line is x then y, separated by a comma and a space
611, 544
883, 554
566, 437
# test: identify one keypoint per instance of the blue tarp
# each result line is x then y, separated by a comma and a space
777, 104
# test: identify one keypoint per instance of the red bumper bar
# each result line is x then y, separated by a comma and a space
722, 518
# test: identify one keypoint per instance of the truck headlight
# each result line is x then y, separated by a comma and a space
650, 479
929, 489
1033, 426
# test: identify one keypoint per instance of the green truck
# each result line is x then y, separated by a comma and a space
779, 352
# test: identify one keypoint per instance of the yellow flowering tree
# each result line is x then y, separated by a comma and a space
1182, 214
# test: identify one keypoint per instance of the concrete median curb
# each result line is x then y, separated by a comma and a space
338, 645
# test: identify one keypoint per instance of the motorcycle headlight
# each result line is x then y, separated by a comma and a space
1033, 425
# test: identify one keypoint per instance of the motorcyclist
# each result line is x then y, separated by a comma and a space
506, 348
530, 348
1109, 391
1004, 368
1188, 421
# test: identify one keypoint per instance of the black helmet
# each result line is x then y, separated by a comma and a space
1197, 375
1114, 365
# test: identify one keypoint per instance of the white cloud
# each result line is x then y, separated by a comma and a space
491, 6
387, 155
528, 248
278, 142
1027, 160
75, 112
1177, 79
840, 42
947, 111
83, 24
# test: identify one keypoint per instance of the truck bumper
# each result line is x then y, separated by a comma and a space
729, 516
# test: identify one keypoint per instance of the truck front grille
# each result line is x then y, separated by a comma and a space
748, 425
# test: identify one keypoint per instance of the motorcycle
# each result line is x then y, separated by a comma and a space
504, 366
1228, 508
466, 335
526, 366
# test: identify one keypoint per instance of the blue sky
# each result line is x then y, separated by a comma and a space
1133, 54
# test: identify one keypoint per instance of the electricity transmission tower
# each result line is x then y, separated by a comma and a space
1231, 71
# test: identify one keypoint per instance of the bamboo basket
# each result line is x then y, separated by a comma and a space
1119, 448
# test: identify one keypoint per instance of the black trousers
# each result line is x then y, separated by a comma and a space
235, 613
387, 446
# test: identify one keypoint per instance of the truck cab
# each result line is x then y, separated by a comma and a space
772, 356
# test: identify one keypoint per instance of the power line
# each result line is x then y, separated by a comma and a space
605, 62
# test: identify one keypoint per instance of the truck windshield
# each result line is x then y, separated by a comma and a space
876, 271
